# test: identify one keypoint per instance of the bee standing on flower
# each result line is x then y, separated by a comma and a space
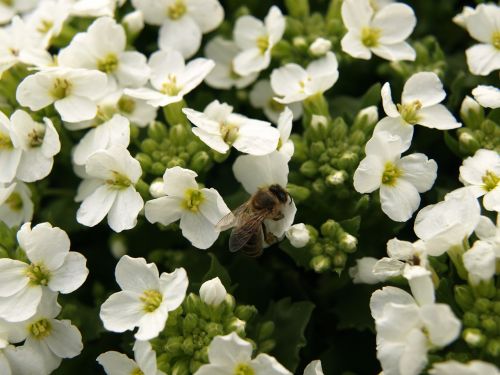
248, 220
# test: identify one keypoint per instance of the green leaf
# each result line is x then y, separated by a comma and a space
351, 226
371, 96
354, 310
290, 321
217, 270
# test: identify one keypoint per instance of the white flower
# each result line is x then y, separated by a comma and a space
93, 8
145, 299
182, 21
400, 180
73, 92
199, 210
47, 21
212, 292
407, 328
115, 363
298, 235
285, 144
230, 354
8, 9
320, 46
481, 174
403, 258
255, 172
419, 106
133, 22
16, 206
294, 83
471, 368
314, 368
381, 32
38, 142
459, 19
115, 132
484, 26
362, 272
262, 96
115, 173
487, 96
53, 339
171, 78
223, 76
256, 39
22, 360
10, 156
480, 261
220, 129
90, 50
487, 231
52, 268
447, 223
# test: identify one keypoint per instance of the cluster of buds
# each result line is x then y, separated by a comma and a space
182, 347
480, 131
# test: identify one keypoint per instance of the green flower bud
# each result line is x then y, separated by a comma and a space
300, 43
319, 186
245, 312
220, 158
194, 366
134, 132
174, 345
482, 305
493, 348
214, 329
235, 325
366, 118
157, 131
317, 249
181, 367
349, 161
267, 345
496, 307
488, 126
3, 253
200, 161
189, 323
471, 113
300, 153
318, 124
178, 134
473, 337
266, 330
176, 162
149, 145
348, 243
339, 129
339, 260
470, 319
298, 193
331, 229
192, 304
362, 204
144, 160
464, 297
336, 178
358, 137
486, 288
283, 49
468, 142
187, 345
489, 325
317, 148
297, 8
313, 234
309, 168
320, 263
229, 304
329, 248
158, 168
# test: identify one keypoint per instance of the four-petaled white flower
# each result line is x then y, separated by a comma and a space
144, 362
16, 206
52, 268
481, 175
47, 21
381, 32
400, 180
471, 368
73, 92
90, 50
223, 76
110, 189
256, 39
182, 21
171, 78
483, 24
293, 83
487, 96
362, 272
480, 261
220, 128
145, 299
420, 100
199, 210
407, 327
231, 354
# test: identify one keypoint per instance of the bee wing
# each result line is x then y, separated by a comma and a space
241, 234
232, 218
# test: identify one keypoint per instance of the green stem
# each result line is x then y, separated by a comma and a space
455, 253
173, 113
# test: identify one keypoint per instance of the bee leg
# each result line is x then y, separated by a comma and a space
269, 238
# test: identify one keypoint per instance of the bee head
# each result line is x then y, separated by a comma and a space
279, 192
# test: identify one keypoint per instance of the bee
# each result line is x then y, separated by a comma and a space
247, 221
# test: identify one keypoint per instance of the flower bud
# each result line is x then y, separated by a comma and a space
348, 243
473, 337
330, 228
320, 46
464, 297
181, 367
349, 160
336, 178
200, 161
178, 134
298, 193
158, 168
471, 112
309, 168
339, 260
493, 347
297, 8
236, 325
174, 345
468, 142
245, 312
266, 330
157, 131
298, 235
157, 188
320, 263
299, 41
318, 121
117, 246
367, 117
133, 23
189, 323
212, 292
149, 145
267, 345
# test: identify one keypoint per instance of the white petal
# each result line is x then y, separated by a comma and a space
482, 59
9, 160
151, 324
178, 180
214, 141
285, 80
115, 363
396, 22
34, 166
389, 106
96, 206
386, 146
134, 274
368, 176
22, 305
229, 350
388, 294
265, 364
256, 138
352, 45
314, 368
145, 357
251, 61
437, 117
33, 91
198, 230
395, 52
480, 261
442, 325
213, 206
356, 14
491, 200
125, 208
419, 171
76, 108
196, 71
414, 357
173, 287
208, 14
65, 339
183, 35
163, 210
388, 267
12, 276
246, 31
421, 284
71, 275
133, 70
122, 311
399, 202
487, 96
150, 96
424, 87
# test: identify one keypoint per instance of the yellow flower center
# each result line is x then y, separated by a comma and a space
275, 106
229, 133
151, 299
61, 88
495, 39
44, 26
232, 73
170, 87
38, 274
370, 36
5, 142
14, 202
36, 136
490, 181
193, 198
137, 371
391, 174
40, 329
243, 369
119, 181
177, 10
409, 111
8, 3
109, 64
263, 43
126, 105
